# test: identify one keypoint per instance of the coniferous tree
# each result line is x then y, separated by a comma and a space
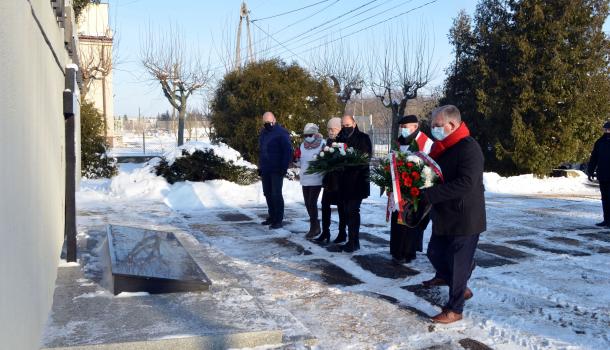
291, 93
535, 85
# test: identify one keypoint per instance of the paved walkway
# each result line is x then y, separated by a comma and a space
542, 280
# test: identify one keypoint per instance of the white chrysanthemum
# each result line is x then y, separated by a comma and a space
321, 154
428, 175
331, 150
415, 159
314, 157
326, 149
350, 149
334, 144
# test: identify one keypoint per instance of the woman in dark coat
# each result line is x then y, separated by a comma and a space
330, 183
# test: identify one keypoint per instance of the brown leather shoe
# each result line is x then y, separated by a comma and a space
468, 294
434, 282
446, 317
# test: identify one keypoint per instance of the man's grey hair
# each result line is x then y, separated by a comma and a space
449, 112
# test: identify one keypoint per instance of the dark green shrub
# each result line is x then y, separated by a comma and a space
203, 166
94, 161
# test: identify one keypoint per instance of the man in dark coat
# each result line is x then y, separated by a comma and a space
599, 165
458, 209
354, 185
275, 155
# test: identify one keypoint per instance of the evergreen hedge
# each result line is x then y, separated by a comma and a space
203, 166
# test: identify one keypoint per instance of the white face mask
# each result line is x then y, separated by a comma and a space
404, 132
439, 133
310, 138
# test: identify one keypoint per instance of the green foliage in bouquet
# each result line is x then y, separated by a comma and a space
381, 176
203, 166
337, 158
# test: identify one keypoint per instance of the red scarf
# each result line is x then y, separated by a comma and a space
439, 147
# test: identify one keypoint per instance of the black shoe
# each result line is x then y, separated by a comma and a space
325, 236
350, 246
602, 224
342, 237
267, 222
275, 226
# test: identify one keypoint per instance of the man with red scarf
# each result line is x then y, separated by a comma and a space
458, 209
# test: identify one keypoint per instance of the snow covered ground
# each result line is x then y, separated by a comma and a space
542, 281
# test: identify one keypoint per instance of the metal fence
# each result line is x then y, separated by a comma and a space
153, 137
381, 140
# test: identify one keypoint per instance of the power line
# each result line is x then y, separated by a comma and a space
368, 27
326, 23
345, 20
291, 11
274, 39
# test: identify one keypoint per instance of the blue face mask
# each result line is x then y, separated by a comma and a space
404, 132
310, 139
439, 133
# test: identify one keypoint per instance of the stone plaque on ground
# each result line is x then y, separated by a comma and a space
503, 251
383, 267
151, 261
234, 217
535, 245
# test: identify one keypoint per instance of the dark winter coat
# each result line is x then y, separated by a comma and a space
330, 182
600, 159
275, 150
354, 182
458, 205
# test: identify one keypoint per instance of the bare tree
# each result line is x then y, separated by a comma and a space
342, 67
178, 70
404, 68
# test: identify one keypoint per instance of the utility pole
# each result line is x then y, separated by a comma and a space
243, 14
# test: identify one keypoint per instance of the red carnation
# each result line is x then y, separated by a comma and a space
404, 175
414, 191
408, 182
410, 165
415, 176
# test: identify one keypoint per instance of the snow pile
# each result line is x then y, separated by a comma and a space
222, 150
529, 184
139, 183
190, 196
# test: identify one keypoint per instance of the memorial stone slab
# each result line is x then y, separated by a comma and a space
151, 261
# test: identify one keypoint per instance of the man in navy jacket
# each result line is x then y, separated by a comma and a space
599, 165
275, 155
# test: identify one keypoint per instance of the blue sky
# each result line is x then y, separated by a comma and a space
204, 24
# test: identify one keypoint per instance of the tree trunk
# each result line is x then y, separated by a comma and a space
181, 115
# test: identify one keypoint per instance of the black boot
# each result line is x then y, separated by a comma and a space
352, 244
341, 237
314, 229
325, 236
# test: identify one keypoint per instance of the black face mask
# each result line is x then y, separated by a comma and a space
268, 126
347, 130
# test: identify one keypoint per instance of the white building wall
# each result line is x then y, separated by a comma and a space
94, 32
32, 175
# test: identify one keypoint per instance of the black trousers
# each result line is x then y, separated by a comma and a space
604, 187
272, 189
310, 196
453, 260
328, 199
351, 209
406, 241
